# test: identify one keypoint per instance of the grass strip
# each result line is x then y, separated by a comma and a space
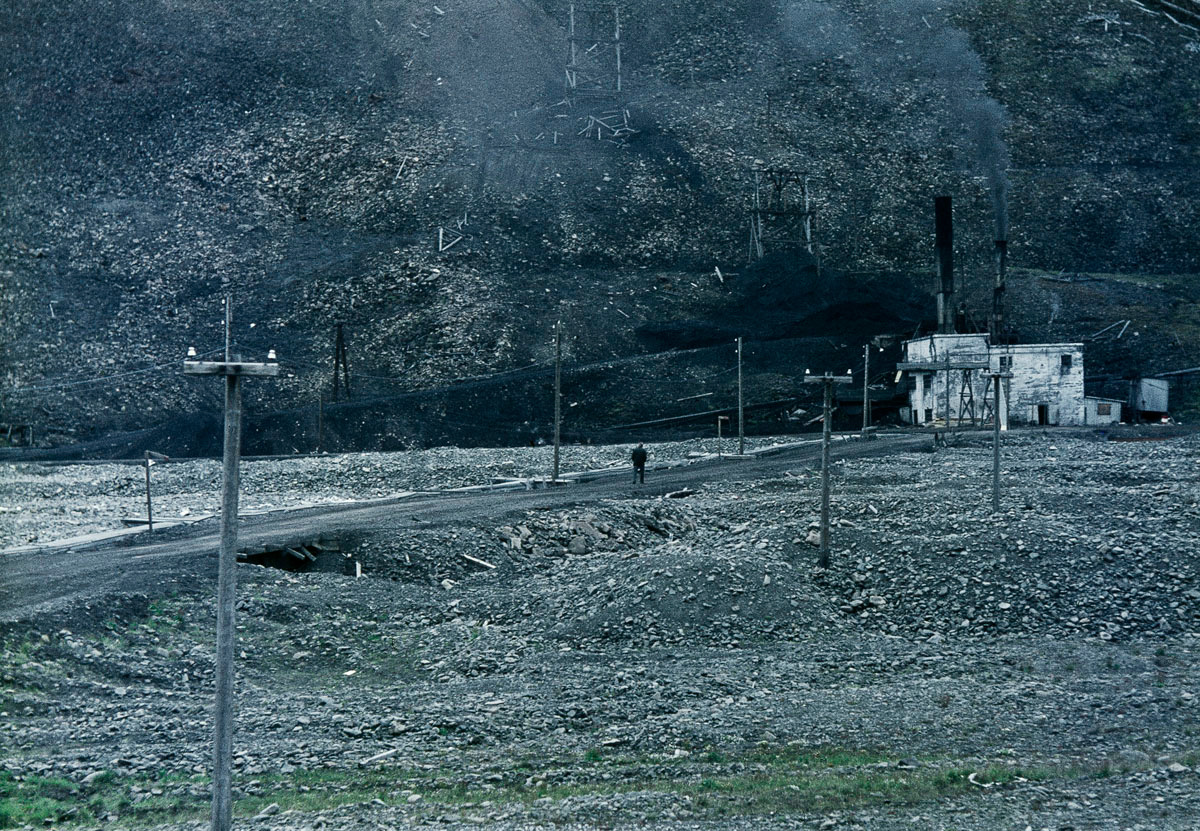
720, 784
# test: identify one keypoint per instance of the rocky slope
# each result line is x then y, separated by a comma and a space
304, 157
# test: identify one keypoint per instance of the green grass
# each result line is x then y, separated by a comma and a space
40, 800
788, 779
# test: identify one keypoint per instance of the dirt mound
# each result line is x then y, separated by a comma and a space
676, 593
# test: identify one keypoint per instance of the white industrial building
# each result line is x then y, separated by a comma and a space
1042, 383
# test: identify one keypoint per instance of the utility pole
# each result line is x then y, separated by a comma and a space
233, 372
996, 376
320, 422
996, 451
866, 393
557, 395
826, 437
151, 458
741, 412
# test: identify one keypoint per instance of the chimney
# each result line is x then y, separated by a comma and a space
944, 245
998, 324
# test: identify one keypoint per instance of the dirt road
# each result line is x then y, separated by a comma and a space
55, 580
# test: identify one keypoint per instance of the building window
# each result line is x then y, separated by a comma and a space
927, 382
1104, 409
1066, 363
1005, 362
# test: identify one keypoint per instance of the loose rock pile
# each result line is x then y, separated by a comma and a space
622, 653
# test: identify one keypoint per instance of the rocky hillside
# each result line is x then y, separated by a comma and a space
306, 158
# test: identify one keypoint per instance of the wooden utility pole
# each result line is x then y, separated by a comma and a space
826, 438
866, 391
996, 378
233, 371
320, 423
557, 395
996, 450
741, 412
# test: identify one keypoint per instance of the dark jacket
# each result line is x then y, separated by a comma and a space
639, 457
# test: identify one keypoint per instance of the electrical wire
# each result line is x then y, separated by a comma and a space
105, 378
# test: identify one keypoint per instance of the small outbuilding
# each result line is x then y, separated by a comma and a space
1099, 410
1148, 398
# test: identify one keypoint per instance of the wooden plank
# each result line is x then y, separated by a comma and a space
231, 368
938, 366
833, 379
379, 756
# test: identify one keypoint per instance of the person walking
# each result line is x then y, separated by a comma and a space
639, 464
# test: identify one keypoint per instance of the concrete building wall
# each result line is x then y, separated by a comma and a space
1046, 386
1047, 382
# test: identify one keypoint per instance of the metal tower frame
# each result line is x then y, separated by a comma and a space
594, 60
778, 213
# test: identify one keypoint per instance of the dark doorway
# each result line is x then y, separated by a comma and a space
1043, 414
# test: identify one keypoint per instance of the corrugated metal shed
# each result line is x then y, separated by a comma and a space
1149, 395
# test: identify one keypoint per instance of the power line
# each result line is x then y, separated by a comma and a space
105, 378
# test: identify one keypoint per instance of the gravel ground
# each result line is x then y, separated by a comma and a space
664, 662
42, 503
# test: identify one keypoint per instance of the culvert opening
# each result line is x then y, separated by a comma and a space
323, 555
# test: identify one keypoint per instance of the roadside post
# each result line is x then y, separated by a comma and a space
233, 371
151, 458
720, 452
828, 381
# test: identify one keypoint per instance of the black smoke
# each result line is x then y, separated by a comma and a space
900, 45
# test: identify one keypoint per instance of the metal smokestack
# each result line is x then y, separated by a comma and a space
998, 324
944, 246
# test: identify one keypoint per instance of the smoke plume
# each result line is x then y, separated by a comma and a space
896, 46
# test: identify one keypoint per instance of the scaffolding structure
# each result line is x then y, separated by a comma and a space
781, 211
594, 57
966, 396
966, 399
